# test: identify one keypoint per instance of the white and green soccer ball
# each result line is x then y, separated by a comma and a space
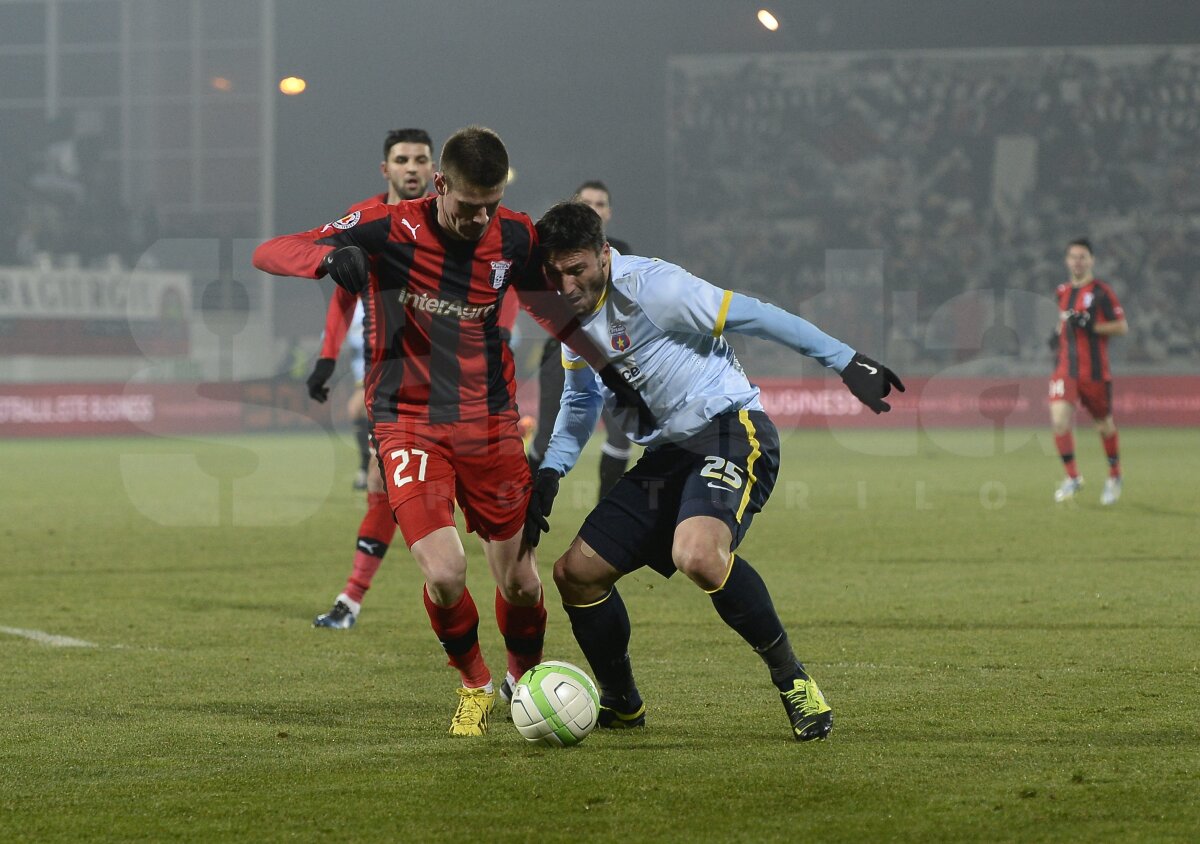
555, 703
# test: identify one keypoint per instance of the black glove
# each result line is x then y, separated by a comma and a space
541, 502
1052, 341
628, 398
348, 266
1082, 319
316, 382
870, 381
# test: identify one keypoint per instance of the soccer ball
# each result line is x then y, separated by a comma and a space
555, 703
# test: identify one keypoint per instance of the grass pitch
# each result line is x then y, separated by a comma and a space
1001, 668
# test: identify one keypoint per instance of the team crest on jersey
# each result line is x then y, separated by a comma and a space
618, 337
347, 222
499, 273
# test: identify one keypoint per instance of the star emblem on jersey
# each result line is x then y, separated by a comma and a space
499, 273
618, 336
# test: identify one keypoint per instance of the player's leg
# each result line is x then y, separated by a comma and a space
600, 623
520, 606
493, 485
420, 483
631, 527
614, 455
1063, 395
732, 474
455, 620
375, 534
1098, 402
550, 387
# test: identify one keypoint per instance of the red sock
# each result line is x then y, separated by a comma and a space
524, 630
1066, 449
1110, 448
374, 534
457, 628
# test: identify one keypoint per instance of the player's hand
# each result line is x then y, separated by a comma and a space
870, 381
316, 382
1082, 319
348, 266
1052, 341
628, 398
541, 502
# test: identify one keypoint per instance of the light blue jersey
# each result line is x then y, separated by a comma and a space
663, 330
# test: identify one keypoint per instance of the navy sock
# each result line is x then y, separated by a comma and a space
602, 631
744, 603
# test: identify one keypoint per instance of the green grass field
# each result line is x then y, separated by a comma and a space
1001, 669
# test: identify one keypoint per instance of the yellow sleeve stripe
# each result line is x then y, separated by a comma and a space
722, 312
755, 452
573, 364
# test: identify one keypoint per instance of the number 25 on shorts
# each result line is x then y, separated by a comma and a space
720, 469
405, 455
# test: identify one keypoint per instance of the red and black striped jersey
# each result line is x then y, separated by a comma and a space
341, 305
1082, 354
432, 313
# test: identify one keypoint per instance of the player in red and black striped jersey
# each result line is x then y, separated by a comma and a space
440, 388
407, 167
1089, 313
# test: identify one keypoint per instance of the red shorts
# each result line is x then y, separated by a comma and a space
479, 463
1095, 396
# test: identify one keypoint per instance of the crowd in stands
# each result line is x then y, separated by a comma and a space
63, 198
962, 170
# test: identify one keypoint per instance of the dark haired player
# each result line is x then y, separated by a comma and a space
440, 388
1088, 314
709, 465
614, 454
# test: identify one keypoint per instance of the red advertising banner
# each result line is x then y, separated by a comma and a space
74, 410
41, 410
1165, 400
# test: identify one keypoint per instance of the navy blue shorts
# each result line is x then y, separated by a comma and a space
726, 471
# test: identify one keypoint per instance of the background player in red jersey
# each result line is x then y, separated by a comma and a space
441, 392
407, 167
1089, 314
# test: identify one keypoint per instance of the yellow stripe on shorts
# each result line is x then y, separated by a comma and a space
755, 452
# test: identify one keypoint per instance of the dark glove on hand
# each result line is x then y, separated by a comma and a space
348, 266
1082, 319
541, 502
870, 381
316, 382
628, 397
1052, 341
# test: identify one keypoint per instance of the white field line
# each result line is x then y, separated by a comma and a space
48, 638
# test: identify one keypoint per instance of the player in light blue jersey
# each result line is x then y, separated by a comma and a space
711, 456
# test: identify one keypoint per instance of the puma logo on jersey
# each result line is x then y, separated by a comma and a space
410, 227
868, 367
